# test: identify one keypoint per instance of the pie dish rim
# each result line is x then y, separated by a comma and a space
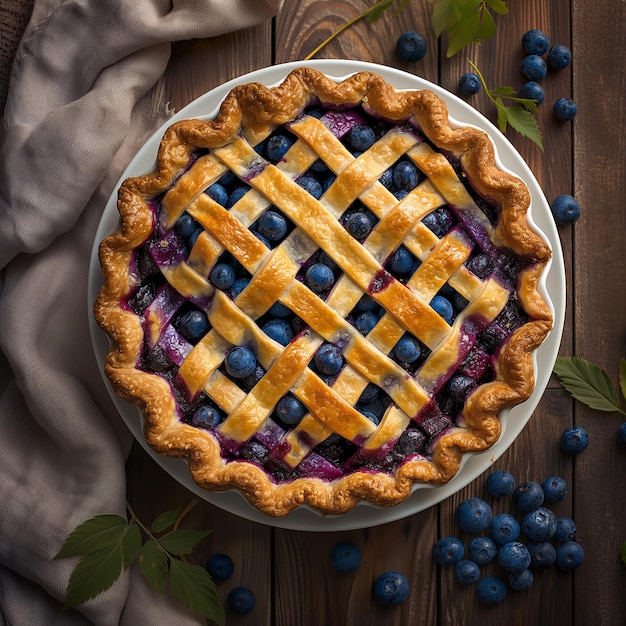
338, 70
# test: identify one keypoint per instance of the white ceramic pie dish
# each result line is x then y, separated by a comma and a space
552, 287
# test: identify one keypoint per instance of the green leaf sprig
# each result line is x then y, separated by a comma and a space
108, 544
592, 386
520, 115
466, 21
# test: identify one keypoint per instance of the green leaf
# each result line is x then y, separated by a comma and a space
164, 521
623, 553
463, 34
487, 25
131, 545
498, 6
524, 123
94, 573
378, 9
503, 91
622, 376
192, 586
502, 118
587, 383
96, 533
183, 540
153, 565
444, 17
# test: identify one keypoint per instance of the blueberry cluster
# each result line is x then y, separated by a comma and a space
240, 599
521, 544
536, 45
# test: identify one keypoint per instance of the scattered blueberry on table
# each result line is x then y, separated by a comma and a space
474, 515
559, 57
391, 588
534, 67
535, 41
469, 84
500, 483
554, 489
411, 46
564, 109
466, 572
241, 600
565, 209
345, 556
220, 566
528, 496
621, 434
574, 440
448, 550
533, 91
491, 590
504, 528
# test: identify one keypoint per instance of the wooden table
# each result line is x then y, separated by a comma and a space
290, 571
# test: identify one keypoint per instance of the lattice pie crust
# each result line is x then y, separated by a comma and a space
460, 174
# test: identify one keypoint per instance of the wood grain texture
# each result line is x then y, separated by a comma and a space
290, 571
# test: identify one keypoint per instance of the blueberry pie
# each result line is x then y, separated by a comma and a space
324, 295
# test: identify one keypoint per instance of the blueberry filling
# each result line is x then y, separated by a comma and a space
184, 323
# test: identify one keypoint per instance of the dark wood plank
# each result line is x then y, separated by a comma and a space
600, 301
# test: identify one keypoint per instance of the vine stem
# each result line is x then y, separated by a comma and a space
345, 26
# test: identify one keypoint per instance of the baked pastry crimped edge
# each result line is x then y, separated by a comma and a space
257, 109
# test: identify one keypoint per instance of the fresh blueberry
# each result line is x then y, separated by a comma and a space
535, 42
554, 489
481, 265
574, 440
241, 600
290, 410
365, 322
469, 84
528, 496
252, 379
542, 554
185, 226
491, 590
222, 276
411, 441
372, 417
559, 57
539, 525
366, 303
220, 566
411, 46
621, 434
466, 572
263, 239
520, 581
238, 286
391, 588
278, 309
408, 349
370, 393
279, 330
448, 550
400, 262
345, 556
459, 386
500, 483
228, 178
319, 277
240, 362
533, 91
564, 109
312, 185
513, 557
360, 138
406, 175
439, 221
218, 193
565, 209
206, 416
534, 67
504, 528
387, 178
277, 147
474, 515
235, 195
482, 550
359, 225
443, 307
193, 325
565, 530
272, 225
328, 359
569, 556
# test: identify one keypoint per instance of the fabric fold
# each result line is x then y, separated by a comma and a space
75, 116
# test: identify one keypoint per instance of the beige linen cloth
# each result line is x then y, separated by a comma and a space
73, 119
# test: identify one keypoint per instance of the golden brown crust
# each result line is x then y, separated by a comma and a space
257, 109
